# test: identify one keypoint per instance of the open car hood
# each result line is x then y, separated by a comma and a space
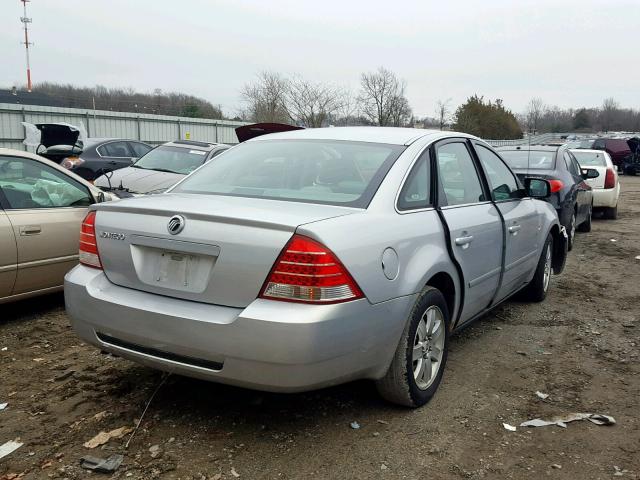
50, 134
247, 132
634, 144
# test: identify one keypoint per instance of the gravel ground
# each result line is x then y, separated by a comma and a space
580, 347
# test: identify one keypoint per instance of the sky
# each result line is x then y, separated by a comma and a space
570, 53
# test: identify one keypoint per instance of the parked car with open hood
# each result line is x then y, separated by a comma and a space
161, 167
605, 187
571, 196
308, 258
41, 208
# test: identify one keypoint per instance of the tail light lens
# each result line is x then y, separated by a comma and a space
306, 271
88, 247
610, 178
556, 185
71, 162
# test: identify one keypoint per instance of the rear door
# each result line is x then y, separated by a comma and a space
474, 223
45, 208
521, 220
115, 155
8, 254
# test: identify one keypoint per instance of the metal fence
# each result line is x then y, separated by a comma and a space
152, 129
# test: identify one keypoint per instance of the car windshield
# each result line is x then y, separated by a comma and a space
318, 171
172, 159
529, 159
591, 159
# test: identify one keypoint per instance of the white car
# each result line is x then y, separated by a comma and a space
606, 187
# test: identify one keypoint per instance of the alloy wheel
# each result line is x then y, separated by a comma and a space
428, 347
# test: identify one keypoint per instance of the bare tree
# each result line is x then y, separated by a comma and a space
382, 98
311, 104
608, 113
399, 110
348, 111
443, 113
535, 111
265, 98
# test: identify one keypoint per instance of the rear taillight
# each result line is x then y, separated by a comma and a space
307, 271
71, 162
610, 178
556, 185
88, 247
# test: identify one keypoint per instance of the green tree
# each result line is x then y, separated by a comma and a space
486, 119
581, 120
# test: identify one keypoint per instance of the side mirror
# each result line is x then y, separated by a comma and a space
100, 198
588, 173
537, 187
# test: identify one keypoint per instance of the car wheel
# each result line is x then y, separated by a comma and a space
586, 225
536, 290
571, 231
611, 213
418, 364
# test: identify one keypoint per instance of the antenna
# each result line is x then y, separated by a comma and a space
26, 21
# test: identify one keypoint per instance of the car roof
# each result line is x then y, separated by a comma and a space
388, 135
587, 150
194, 145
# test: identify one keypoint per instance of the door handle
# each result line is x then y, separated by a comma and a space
464, 241
514, 229
30, 230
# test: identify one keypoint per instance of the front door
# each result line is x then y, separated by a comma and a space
45, 208
474, 224
521, 219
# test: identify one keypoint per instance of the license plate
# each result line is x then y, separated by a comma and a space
174, 269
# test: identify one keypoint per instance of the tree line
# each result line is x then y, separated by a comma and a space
380, 99
115, 99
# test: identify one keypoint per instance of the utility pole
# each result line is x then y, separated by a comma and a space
26, 21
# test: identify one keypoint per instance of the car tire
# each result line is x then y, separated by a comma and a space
611, 213
536, 290
571, 231
424, 345
586, 225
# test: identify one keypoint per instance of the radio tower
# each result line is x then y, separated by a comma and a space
26, 21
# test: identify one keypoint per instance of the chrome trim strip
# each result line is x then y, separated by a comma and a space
47, 261
486, 276
519, 261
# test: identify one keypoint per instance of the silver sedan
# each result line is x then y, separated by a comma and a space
309, 258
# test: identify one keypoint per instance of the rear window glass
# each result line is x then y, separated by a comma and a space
529, 159
314, 171
591, 159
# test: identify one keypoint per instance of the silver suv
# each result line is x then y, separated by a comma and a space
309, 258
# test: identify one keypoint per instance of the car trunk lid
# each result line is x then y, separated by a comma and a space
222, 255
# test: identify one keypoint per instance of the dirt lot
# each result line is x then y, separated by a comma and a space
580, 347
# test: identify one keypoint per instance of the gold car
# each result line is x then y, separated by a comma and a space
41, 207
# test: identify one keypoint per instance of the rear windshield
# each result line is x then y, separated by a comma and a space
591, 159
314, 171
172, 159
529, 159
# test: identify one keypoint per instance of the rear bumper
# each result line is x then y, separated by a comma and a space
605, 197
269, 345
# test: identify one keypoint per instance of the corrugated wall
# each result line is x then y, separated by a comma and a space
152, 129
